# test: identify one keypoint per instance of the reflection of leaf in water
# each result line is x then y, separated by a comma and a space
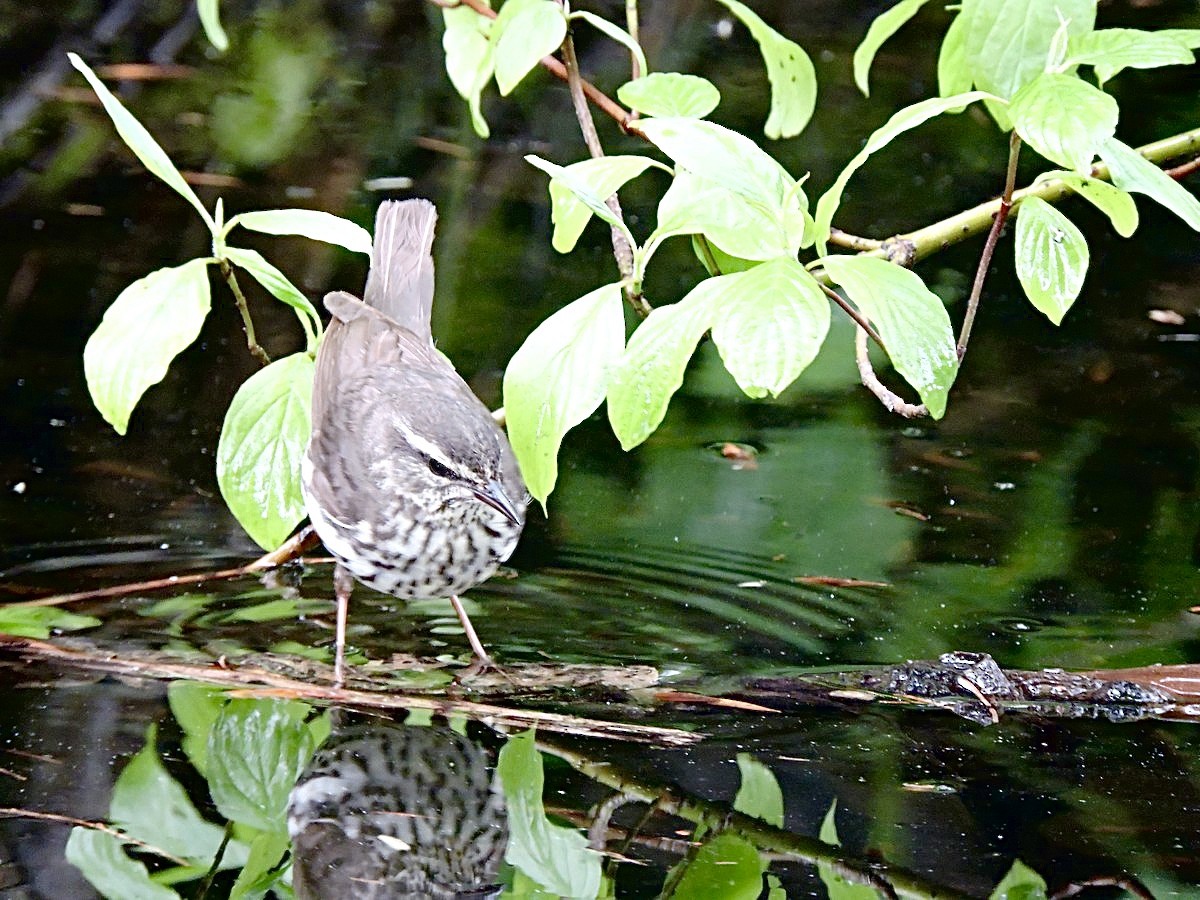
759, 794
839, 888
728, 866
1021, 883
40, 621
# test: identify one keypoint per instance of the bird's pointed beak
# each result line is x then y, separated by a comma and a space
493, 495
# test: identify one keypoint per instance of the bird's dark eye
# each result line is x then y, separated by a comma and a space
440, 470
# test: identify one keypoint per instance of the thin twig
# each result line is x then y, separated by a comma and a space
240, 299
631, 25
1183, 170
17, 813
840, 238
989, 247
892, 401
206, 883
622, 249
852, 313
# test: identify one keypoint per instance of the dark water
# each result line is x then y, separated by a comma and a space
1050, 519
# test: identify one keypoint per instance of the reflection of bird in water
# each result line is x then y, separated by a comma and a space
390, 812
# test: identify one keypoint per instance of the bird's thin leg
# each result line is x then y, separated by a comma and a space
343, 584
482, 659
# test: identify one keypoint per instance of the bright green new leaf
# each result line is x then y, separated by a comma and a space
1064, 118
1052, 257
716, 261
210, 21
525, 31
650, 371
138, 139
147, 326
617, 34
102, 860
262, 441
1110, 50
670, 94
41, 621
910, 319
1115, 203
836, 884
256, 752
769, 325
557, 379
1189, 37
470, 61
309, 223
727, 866
576, 184
602, 178
759, 794
195, 707
260, 873
279, 287
1021, 883
557, 858
885, 25
953, 67
1132, 172
904, 120
790, 71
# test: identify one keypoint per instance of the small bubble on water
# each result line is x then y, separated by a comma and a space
19, 487
1003, 485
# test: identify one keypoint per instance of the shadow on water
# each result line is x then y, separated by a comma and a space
1050, 519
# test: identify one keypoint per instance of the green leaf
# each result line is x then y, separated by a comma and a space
260, 871
885, 25
954, 68
195, 707
1021, 883
138, 139
670, 94
651, 369
903, 120
1052, 258
309, 223
759, 794
575, 183
525, 31
1064, 118
262, 442
838, 887
256, 751
557, 379
790, 71
210, 20
1112, 201
470, 61
770, 322
617, 34
41, 621
1132, 172
910, 319
740, 227
775, 889
101, 858
278, 285
557, 858
727, 866
600, 179
149, 323
716, 261
1111, 50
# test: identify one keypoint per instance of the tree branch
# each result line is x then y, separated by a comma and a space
247, 323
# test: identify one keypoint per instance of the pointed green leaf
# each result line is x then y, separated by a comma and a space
954, 68
1111, 50
102, 860
279, 287
259, 874
470, 61
770, 322
727, 866
1115, 203
1052, 258
147, 326
910, 319
557, 379
138, 139
885, 25
1132, 172
310, 223
601, 178
210, 21
525, 31
575, 183
557, 858
1021, 883
838, 887
1064, 118
41, 621
670, 94
195, 707
759, 794
790, 71
904, 120
262, 442
617, 34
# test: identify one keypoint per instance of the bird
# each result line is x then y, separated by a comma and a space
388, 811
407, 478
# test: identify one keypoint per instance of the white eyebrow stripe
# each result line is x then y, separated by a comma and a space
430, 449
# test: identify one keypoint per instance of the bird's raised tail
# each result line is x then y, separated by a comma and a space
400, 281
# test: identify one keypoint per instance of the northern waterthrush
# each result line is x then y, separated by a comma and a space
408, 480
